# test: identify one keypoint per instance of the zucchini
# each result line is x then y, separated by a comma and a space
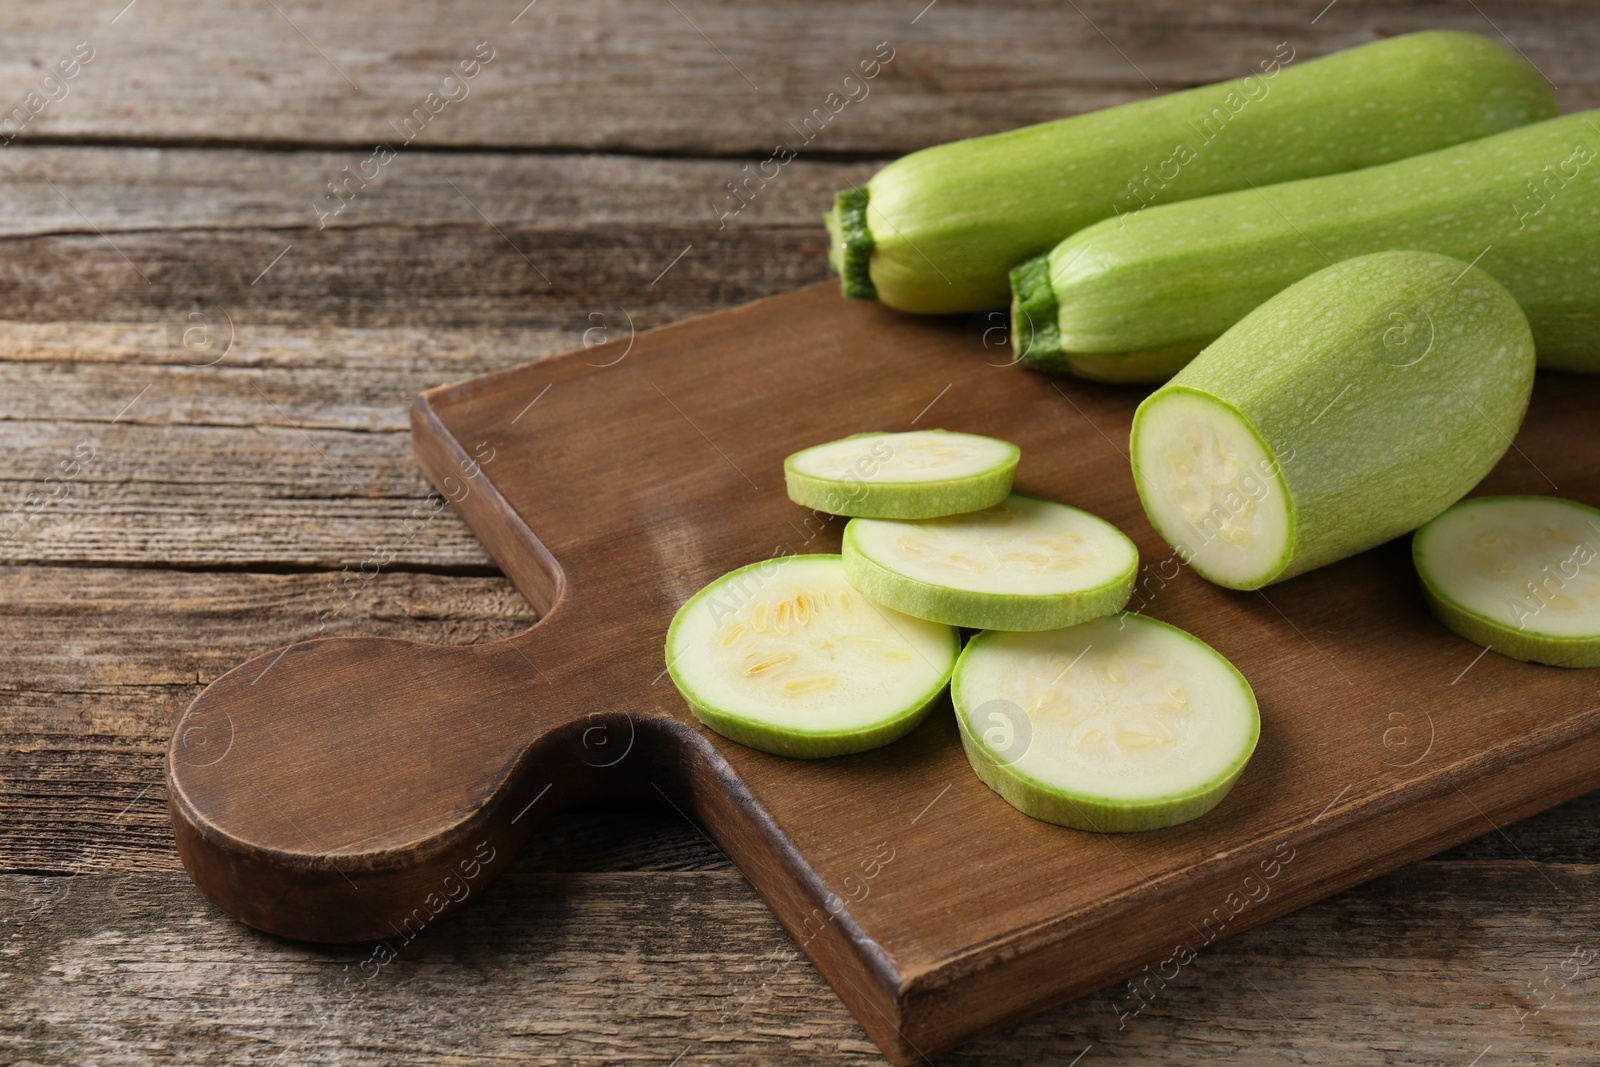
936, 231
1519, 574
1024, 564
787, 657
919, 474
1123, 723
1134, 299
1349, 409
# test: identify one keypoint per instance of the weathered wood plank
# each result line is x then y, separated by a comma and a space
87, 374
406, 276
199, 495
475, 239
200, 346
202, 334
608, 968
85, 189
698, 76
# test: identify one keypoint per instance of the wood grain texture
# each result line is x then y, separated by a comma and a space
1427, 965
683, 422
461, 240
701, 77
85, 189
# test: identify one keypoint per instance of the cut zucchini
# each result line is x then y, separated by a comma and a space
1122, 723
920, 474
1024, 564
787, 657
1520, 574
1349, 409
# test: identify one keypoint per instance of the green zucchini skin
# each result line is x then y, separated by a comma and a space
1527, 201
902, 500
1084, 811
1081, 812
937, 231
973, 610
1365, 446
982, 611
1528, 645
1530, 648
816, 746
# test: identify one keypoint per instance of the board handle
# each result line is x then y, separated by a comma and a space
357, 788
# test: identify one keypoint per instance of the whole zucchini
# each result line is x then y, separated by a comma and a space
937, 230
1135, 301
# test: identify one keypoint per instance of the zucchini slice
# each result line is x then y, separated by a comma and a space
919, 474
1123, 723
1025, 564
787, 657
1520, 574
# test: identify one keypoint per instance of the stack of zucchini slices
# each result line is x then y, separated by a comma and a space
1073, 711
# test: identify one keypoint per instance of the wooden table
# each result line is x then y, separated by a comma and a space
206, 365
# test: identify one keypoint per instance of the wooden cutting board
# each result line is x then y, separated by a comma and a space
359, 788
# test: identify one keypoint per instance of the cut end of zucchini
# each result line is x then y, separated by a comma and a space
851, 244
1035, 317
787, 657
920, 474
1212, 489
1119, 724
1519, 574
1025, 564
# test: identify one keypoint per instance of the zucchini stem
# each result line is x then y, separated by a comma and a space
851, 245
1035, 316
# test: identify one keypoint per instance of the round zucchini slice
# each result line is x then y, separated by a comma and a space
920, 474
788, 657
1520, 574
1122, 723
1025, 564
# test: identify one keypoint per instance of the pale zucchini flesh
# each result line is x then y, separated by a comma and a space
1133, 299
787, 657
1024, 564
1518, 574
1347, 410
938, 230
917, 474
1119, 724
1214, 489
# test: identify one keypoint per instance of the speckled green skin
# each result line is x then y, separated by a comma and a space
1183, 273
1367, 444
941, 227
1529, 646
